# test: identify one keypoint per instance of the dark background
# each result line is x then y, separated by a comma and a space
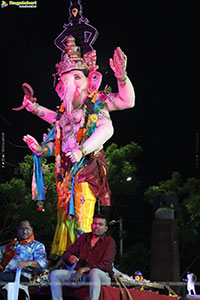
163, 49
162, 45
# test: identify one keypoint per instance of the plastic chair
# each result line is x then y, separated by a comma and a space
13, 288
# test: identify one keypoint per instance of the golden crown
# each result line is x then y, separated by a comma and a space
72, 59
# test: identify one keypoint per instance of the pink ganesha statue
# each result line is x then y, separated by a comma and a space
82, 126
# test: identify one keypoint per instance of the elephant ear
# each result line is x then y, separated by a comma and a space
60, 90
94, 81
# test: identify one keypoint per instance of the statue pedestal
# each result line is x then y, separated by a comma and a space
164, 251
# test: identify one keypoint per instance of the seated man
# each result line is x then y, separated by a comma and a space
94, 253
23, 252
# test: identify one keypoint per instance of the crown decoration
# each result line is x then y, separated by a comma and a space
72, 59
79, 27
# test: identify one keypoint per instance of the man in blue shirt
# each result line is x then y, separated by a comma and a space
24, 253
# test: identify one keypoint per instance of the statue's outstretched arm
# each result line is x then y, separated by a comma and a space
125, 98
40, 111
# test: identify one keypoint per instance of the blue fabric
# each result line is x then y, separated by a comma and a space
38, 177
71, 267
38, 170
49, 150
79, 232
75, 170
51, 135
71, 207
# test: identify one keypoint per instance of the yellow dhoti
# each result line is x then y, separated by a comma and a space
65, 234
84, 206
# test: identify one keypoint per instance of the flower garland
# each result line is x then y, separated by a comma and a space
92, 108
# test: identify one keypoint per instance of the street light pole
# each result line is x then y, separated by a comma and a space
121, 237
120, 222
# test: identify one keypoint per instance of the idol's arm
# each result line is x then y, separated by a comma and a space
125, 98
40, 111
103, 132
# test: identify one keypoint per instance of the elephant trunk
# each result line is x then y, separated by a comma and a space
68, 99
69, 108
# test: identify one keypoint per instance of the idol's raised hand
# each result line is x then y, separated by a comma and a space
33, 144
29, 105
118, 64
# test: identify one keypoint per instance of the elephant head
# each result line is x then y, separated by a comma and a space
75, 85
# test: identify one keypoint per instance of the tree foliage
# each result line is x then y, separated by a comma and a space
122, 165
17, 203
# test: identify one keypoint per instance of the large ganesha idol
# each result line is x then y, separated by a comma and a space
82, 125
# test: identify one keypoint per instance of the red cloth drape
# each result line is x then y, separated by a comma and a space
108, 293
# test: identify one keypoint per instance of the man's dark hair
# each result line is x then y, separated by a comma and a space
23, 220
100, 216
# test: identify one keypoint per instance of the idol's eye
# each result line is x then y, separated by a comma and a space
77, 77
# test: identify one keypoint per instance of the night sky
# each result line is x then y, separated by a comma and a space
163, 49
